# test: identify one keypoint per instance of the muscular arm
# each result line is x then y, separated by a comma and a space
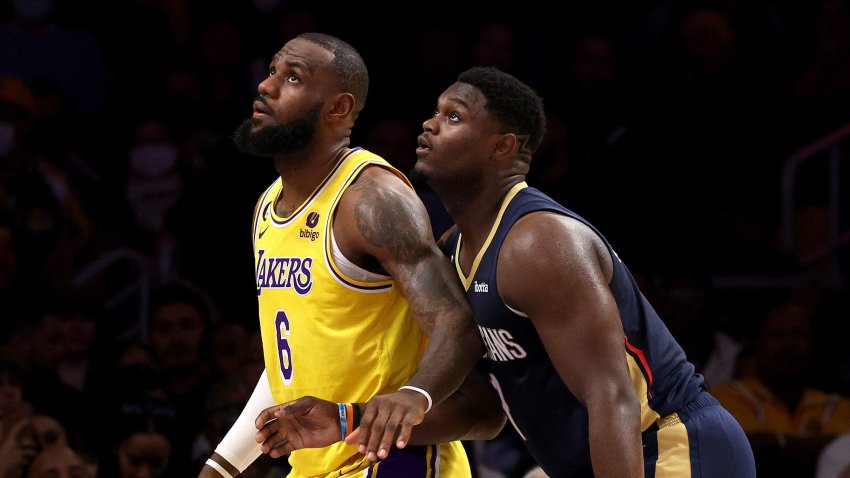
382, 225
556, 270
471, 413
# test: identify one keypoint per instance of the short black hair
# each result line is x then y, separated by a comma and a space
512, 102
348, 66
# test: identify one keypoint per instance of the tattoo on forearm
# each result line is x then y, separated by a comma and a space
429, 300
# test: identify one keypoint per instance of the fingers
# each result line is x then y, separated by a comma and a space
284, 410
387, 419
404, 432
271, 435
353, 438
307, 422
382, 434
265, 416
281, 449
274, 439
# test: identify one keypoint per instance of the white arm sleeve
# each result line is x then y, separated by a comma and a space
239, 446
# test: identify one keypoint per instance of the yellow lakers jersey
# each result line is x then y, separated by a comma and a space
327, 334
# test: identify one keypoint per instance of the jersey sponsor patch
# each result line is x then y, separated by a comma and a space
312, 219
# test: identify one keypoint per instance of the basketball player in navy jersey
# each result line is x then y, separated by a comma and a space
584, 368
356, 301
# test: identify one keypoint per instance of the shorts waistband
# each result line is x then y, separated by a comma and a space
704, 399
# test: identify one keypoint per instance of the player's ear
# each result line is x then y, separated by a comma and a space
505, 144
342, 106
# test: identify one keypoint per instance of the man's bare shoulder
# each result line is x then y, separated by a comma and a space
377, 174
380, 211
546, 241
542, 229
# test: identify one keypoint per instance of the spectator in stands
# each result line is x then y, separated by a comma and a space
787, 420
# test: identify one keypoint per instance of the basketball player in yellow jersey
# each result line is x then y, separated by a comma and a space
349, 281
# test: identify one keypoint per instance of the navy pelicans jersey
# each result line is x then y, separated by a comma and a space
551, 421
332, 336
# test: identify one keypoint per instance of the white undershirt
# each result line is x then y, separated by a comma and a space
351, 269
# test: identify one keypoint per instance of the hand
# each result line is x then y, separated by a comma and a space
307, 422
17, 454
386, 418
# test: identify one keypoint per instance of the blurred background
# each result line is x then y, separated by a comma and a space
706, 139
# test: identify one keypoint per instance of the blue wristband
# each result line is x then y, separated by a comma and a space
343, 420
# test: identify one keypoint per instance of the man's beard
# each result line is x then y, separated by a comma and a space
416, 177
278, 138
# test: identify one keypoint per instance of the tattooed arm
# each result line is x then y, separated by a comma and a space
382, 225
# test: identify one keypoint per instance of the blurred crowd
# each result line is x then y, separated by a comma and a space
127, 301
